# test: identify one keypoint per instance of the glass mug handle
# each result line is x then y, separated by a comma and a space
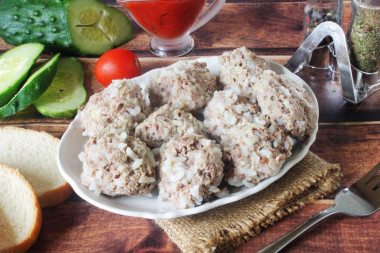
208, 14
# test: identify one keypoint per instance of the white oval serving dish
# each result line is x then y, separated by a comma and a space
150, 207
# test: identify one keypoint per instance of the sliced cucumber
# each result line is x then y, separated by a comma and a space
14, 67
34, 86
96, 27
66, 93
65, 26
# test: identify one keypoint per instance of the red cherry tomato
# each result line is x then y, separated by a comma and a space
115, 64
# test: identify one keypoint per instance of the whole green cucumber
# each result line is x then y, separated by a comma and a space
86, 27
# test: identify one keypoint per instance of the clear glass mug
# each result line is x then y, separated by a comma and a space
170, 22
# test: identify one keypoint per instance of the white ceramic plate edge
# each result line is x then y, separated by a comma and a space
67, 159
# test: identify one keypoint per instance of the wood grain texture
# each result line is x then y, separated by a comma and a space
348, 135
355, 146
268, 28
259, 25
332, 107
31, 116
339, 234
76, 226
79, 231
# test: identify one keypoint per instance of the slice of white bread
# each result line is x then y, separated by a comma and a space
20, 212
34, 154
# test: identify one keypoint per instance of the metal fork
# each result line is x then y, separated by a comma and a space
360, 199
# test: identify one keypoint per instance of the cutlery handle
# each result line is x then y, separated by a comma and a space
283, 241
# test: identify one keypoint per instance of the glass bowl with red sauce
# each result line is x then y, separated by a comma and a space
170, 22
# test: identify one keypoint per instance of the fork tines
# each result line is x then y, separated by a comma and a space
369, 185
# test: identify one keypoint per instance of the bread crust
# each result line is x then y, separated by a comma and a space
13, 128
54, 196
33, 234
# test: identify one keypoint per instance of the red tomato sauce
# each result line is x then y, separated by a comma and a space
167, 19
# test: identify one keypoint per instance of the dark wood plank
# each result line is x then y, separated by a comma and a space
337, 234
347, 135
31, 116
262, 26
74, 225
332, 107
355, 146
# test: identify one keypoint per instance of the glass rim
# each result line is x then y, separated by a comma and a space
366, 4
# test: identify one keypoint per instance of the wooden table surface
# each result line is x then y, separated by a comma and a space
348, 135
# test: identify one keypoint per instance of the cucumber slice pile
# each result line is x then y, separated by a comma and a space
66, 92
14, 67
34, 87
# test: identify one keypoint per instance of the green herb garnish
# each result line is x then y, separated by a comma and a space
364, 41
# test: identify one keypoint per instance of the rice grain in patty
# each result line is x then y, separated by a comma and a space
184, 85
118, 165
167, 123
118, 108
190, 170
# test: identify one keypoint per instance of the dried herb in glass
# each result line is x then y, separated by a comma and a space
364, 38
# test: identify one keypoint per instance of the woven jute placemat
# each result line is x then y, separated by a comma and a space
228, 226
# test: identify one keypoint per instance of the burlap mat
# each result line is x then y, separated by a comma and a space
228, 226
